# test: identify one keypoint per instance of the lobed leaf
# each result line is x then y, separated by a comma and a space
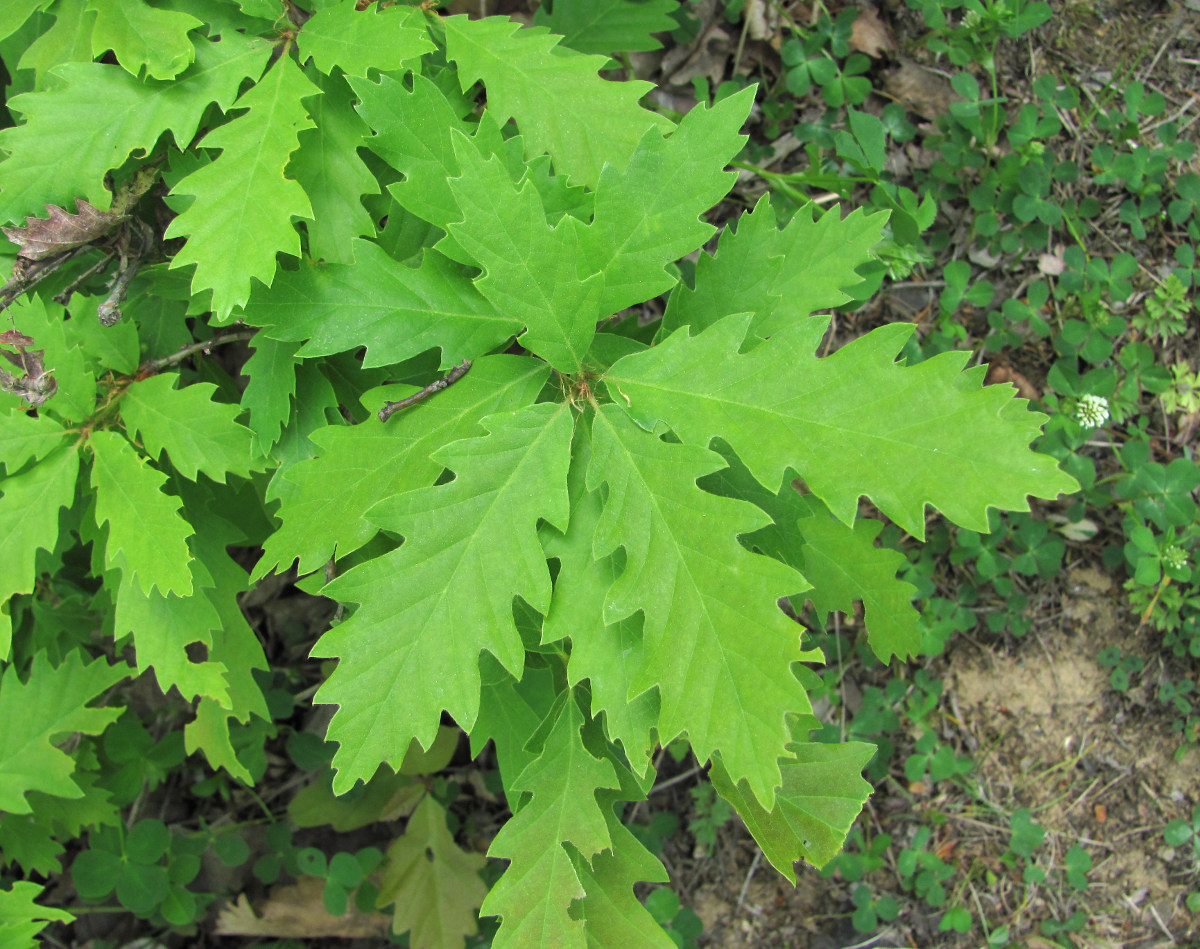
268, 395
781, 276
843, 564
197, 433
14, 13
242, 216
433, 884
648, 209
328, 167
143, 37
25, 438
99, 115
29, 507
51, 702
559, 102
147, 538
607, 655
609, 26
531, 270
164, 625
394, 310
823, 792
847, 423
615, 918
841, 561
431, 606
357, 467
716, 644
412, 134
67, 40
340, 35
534, 896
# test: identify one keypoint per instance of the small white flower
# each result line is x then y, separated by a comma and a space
1175, 557
1091, 410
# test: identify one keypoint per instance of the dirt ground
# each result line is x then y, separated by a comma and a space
1047, 732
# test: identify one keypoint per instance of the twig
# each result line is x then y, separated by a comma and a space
749, 876
204, 346
65, 296
391, 408
678, 779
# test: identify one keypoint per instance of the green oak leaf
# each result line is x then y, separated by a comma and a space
848, 422
716, 643
843, 565
164, 625
609, 26
69, 40
25, 438
29, 507
780, 276
242, 215
143, 37
269, 393
99, 114
822, 794
146, 535
741, 277
820, 260
14, 13
648, 211
559, 102
328, 167
534, 895
608, 656
49, 703
615, 918
396, 311
433, 884
412, 134
339, 35
431, 606
197, 433
356, 467
841, 561
531, 270
509, 713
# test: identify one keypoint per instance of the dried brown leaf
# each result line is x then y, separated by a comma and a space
298, 911
870, 34
919, 90
61, 231
999, 373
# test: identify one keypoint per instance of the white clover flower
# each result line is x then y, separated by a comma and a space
1092, 410
1175, 557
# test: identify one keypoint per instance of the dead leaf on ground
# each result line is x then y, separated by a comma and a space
706, 57
61, 231
870, 34
762, 21
919, 90
298, 911
999, 373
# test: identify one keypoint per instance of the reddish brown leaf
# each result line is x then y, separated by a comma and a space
999, 373
61, 231
14, 338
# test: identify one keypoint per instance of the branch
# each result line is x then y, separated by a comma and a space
390, 408
204, 346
